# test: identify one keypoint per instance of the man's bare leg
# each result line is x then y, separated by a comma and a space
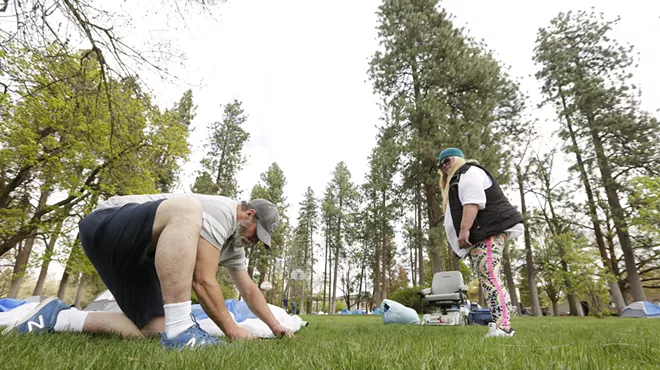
111, 322
176, 230
53, 314
155, 327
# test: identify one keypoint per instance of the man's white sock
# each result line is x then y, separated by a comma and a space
177, 318
71, 320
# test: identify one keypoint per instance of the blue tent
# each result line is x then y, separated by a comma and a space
642, 309
357, 312
376, 311
344, 312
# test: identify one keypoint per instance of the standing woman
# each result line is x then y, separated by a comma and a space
478, 220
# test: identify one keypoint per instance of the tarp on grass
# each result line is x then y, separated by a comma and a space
238, 310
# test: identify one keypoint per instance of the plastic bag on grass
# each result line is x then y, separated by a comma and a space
396, 313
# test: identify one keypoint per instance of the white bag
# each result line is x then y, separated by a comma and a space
396, 313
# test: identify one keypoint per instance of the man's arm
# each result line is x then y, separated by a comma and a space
209, 293
469, 214
256, 302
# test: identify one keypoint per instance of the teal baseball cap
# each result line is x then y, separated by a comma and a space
450, 152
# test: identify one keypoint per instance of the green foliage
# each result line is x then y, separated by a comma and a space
375, 224
586, 74
228, 291
224, 158
645, 201
340, 203
645, 198
66, 130
301, 251
408, 297
271, 187
523, 288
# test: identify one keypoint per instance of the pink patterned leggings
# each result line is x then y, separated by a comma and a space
486, 257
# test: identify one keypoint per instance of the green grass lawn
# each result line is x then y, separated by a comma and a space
364, 342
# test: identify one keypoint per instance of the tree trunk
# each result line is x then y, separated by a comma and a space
311, 266
333, 296
615, 291
610, 245
573, 304
38, 289
362, 279
20, 266
455, 264
529, 258
508, 273
377, 296
377, 262
557, 228
555, 309
428, 168
621, 282
618, 216
436, 251
24, 256
61, 291
412, 263
262, 268
252, 260
418, 234
347, 292
81, 290
325, 263
337, 253
383, 272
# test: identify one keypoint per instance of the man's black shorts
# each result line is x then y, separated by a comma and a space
118, 243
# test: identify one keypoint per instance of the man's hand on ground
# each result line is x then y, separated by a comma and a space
241, 334
281, 330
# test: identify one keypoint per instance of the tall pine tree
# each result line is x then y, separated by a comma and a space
586, 75
444, 90
224, 158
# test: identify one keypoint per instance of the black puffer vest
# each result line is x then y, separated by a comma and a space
498, 215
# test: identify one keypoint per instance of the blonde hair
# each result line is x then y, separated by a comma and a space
446, 177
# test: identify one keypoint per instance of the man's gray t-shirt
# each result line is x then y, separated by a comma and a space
218, 223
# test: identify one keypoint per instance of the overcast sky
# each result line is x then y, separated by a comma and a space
300, 67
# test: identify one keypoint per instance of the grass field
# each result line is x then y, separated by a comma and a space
364, 342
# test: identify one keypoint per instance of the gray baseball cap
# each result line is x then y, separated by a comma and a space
268, 219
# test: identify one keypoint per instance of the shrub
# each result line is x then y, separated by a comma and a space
409, 298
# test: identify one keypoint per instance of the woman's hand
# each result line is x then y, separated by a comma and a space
464, 238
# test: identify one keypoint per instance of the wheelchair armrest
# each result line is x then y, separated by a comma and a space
424, 292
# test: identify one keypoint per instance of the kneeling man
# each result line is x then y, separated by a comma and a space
149, 250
